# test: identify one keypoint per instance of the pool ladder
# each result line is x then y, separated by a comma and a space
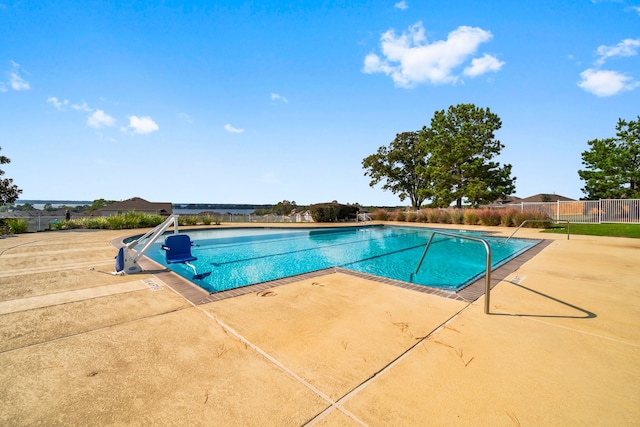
488, 261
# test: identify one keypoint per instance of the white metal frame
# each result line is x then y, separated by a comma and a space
131, 256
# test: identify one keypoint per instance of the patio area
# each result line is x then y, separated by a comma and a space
79, 345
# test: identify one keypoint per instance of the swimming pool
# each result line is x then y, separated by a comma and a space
245, 256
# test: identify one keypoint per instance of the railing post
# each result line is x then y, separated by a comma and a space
488, 263
487, 290
599, 211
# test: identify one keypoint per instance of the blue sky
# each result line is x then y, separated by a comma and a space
263, 101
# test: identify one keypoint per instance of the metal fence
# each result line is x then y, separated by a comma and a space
625, 211
37, 222
271, 218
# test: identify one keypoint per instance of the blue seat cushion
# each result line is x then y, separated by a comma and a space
178, 249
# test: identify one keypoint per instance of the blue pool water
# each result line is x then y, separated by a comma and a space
241, 257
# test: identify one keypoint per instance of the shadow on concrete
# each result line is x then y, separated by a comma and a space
587, 314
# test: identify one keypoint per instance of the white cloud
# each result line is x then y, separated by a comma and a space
402, 5
636, 8
276, 97
605, 83
142, 125
231, 129
18, 83
483, 65
81, 107
410, 59
627, 47
15, 82
100, 119
60, 105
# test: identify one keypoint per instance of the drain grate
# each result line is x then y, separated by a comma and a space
152, 285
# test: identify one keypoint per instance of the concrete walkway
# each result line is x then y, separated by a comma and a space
79, 346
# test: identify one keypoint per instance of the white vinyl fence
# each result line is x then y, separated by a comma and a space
626, 211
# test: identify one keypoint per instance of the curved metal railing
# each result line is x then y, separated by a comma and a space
488, 263
540, 220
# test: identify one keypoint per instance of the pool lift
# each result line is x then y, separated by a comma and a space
177, 249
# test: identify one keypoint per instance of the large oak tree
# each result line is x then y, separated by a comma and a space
450, 161
401, 167
462, 145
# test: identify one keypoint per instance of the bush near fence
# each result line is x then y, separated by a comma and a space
488, 217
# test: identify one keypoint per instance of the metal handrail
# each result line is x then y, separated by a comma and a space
488, 265
541, 220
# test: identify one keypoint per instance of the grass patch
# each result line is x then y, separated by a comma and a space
610, 230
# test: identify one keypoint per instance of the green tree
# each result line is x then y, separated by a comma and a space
613, 164
461, 143
26, 207
99, 204
284, 207
330, 212
9, 192
401, 167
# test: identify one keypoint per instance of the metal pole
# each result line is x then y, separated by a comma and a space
487, 289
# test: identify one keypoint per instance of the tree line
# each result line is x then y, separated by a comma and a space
453, 161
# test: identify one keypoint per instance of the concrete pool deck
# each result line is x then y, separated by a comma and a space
81, 346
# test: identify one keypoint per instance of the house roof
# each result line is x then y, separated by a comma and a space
139, 204
508, 199
544, 197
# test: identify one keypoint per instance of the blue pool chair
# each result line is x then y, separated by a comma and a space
177, 249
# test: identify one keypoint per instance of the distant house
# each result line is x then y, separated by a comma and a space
538, 198
507, 200
135, 204
544, 197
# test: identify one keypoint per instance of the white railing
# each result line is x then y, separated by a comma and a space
626, 211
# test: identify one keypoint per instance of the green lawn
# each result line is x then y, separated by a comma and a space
611, 230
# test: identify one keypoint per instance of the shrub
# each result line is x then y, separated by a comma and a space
443, 217
471, 217
96, 223
330, 212
432, 215
324, 213
520, 217
17, 226
489, 217
380, 215
412, 217
457, 216
117, 222
191, 220
187, 220
206, 220
507, 217
400, 215
422, 216
149, 220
